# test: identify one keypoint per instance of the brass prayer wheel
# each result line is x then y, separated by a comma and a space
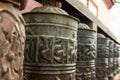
110, 59
102, 57
51, 44
86, 53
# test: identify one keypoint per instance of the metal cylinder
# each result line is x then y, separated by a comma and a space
118, 58
115, 59
102, 57
12, 41
110, 59
86, 53
51, 44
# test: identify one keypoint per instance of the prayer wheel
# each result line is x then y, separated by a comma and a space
51, 44
86, 53
110, 59
102, 57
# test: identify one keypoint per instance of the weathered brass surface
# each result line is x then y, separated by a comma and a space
86, 53
115, 59
12, 41
118, 56
110, 59
51, 44
102, 57
20, 4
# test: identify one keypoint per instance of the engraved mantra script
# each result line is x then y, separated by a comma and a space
50, 50
86, 51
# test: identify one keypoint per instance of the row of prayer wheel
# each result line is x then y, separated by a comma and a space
59, 47
107, 63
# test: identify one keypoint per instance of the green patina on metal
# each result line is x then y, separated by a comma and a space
51, 44
102, 57
86, 53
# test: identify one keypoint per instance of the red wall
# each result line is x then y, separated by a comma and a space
102, 11
30, 5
